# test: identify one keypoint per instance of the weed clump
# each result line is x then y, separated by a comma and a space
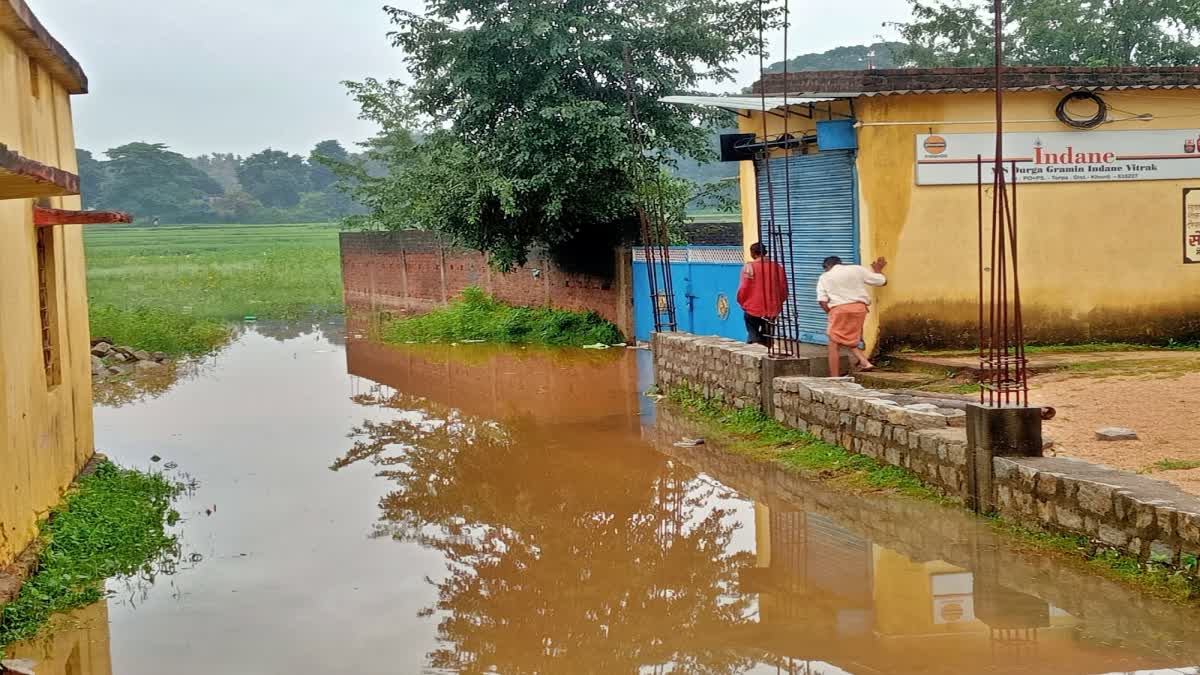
158, 329
477, 316
114, 523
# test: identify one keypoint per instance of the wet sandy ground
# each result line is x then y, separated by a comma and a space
1164, 410
373, 510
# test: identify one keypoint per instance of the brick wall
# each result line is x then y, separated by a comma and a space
917, 80
414, 271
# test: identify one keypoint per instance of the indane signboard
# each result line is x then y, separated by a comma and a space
1061, 157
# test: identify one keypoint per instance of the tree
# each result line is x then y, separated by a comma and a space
275, 178
525, 103
222, 167
1054, 32
320, 175
856, 57
92, 175
150, 181
613, 560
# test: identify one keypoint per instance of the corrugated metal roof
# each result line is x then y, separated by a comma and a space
752, 102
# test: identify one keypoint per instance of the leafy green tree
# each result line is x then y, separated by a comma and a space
237, 206
92, 175
321, 176
525, 105
1054, 32
150, 181
855, 57
274, 177
222, 167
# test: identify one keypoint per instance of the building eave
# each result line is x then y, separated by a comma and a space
19, 22
916, 81
23, 178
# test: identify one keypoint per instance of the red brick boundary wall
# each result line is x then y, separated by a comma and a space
412, 271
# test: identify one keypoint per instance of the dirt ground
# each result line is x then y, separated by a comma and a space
1163, 407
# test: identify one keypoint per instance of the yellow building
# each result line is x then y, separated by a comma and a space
45, 368
1106, 239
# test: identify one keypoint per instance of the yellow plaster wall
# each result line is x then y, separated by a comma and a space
45, 432
1099, 261
83, 648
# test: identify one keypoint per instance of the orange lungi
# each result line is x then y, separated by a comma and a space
846, 323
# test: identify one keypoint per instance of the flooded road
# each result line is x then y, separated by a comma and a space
365, 509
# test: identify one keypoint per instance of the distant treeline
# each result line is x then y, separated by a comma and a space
154, 183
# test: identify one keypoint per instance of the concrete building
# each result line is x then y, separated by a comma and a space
884, 163
45, 370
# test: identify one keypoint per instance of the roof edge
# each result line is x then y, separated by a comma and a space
1016, 78
18, 21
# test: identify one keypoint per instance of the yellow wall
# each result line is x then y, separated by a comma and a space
45, 433
1099, 261
82, 648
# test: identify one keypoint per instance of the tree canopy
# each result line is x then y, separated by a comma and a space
1093, 33
154, 183
524, 105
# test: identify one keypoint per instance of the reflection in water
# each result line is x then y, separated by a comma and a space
80, 646
564, 554
518, 511
572, 546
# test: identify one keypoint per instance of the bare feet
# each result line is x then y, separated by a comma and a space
866, 367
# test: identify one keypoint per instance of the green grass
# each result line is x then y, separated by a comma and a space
158, 330
1176, 583
476, 316
1172, 465
114, 523
751, 433
195, 277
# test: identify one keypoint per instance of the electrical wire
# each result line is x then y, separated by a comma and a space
1064, 116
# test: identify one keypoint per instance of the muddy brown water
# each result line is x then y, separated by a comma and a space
367, 509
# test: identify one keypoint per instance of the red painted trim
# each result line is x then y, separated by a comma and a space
43, 217
23, 178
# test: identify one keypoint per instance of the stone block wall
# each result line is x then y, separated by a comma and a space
924, 435
1148, 518
927, 435
414, 271
719, 368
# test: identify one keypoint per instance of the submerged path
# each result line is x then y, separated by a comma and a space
368, 509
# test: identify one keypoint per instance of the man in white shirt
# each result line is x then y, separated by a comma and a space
842, 292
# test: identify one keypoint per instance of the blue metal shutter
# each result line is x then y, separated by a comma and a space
823, 223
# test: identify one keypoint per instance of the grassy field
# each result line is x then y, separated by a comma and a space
172, 288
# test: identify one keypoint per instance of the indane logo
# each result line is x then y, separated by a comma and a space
935, 145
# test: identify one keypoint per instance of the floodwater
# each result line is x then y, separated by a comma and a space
366, 509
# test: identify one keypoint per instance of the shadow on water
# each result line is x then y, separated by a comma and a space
469, 509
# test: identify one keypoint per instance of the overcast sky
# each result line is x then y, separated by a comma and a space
242, 75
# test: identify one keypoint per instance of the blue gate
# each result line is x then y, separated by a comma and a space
824, 222
706, 281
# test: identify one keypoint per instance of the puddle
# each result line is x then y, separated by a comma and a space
364, 509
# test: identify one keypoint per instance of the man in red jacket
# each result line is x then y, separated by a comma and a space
762, 292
